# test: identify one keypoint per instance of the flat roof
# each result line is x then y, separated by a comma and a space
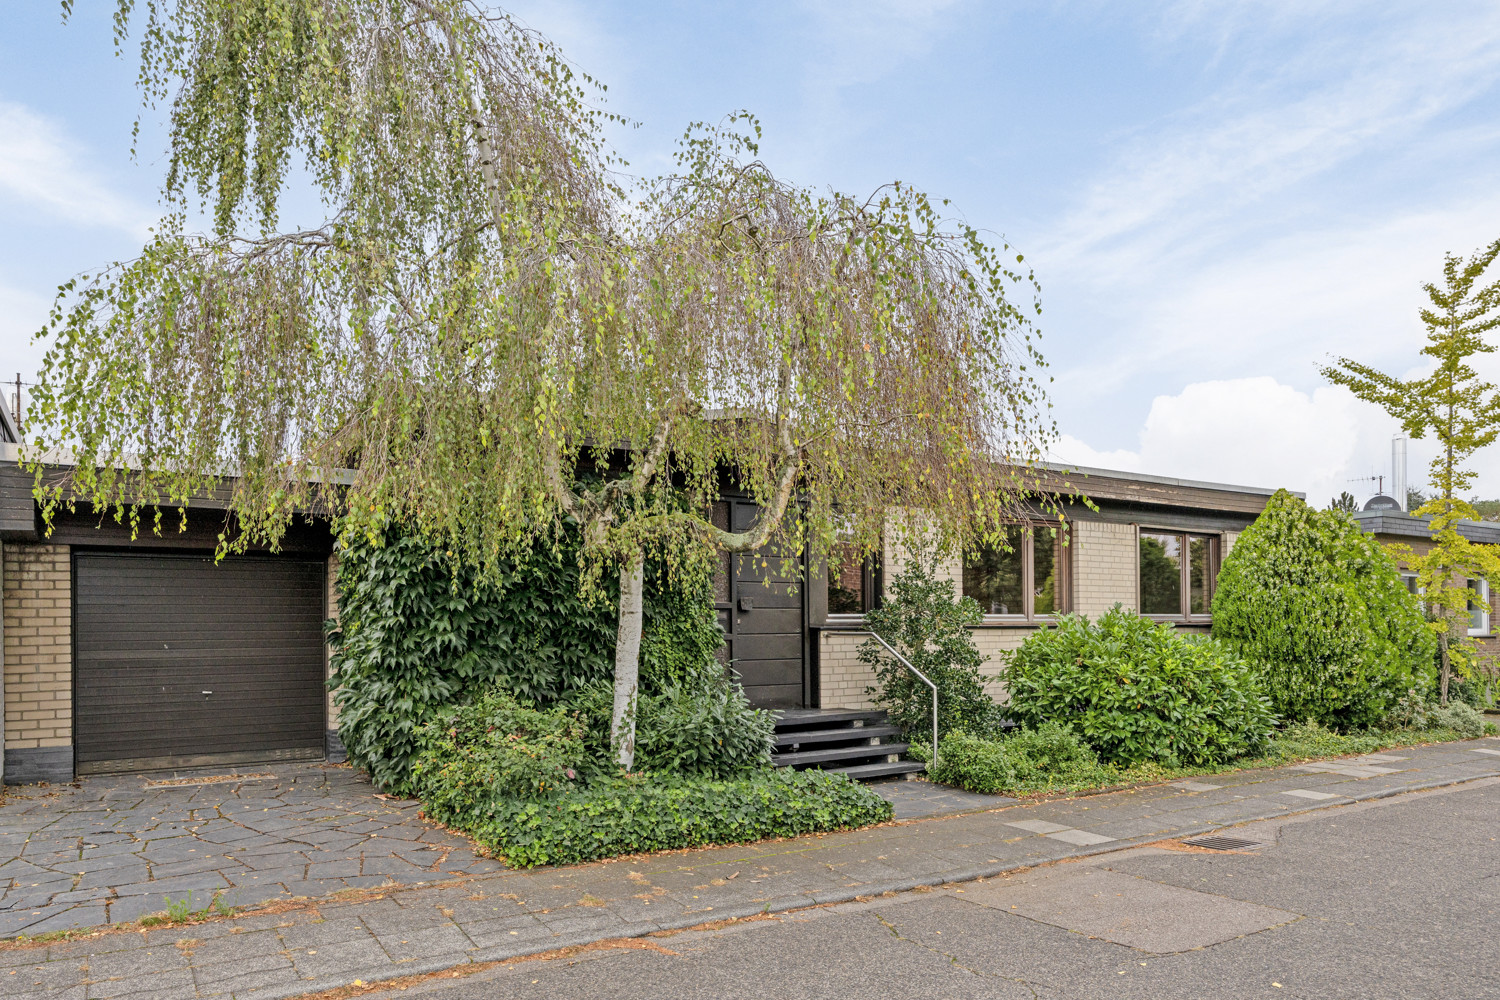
1142, 477
1398, 522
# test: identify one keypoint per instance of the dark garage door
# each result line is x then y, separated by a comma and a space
180, 662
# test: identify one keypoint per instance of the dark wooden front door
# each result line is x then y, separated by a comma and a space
761, 597
180, 661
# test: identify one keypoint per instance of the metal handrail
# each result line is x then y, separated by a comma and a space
920, 676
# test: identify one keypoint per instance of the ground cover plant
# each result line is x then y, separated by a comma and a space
990, 767
1136, 690
1320, 611
629, 814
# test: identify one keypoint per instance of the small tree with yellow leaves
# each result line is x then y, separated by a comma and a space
1462, 412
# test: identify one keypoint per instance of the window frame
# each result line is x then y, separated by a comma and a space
1482, 586
1184, 613
870, 581
1062, 590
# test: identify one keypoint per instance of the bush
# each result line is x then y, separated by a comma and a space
1027, 760
497, 746
417, 633
630, 815
1460, 717
922, 616
1320, 610
1137, 690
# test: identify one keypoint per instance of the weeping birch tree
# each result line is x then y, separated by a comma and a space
495, 335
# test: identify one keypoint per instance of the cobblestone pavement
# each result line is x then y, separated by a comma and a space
112, 849
506, 914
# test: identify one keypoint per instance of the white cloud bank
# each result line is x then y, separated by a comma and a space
1259, 432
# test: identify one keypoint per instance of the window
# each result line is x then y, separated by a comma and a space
851, 579
1177, 573
1479, 611
1025, 578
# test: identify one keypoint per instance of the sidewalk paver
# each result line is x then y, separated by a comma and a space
505, 914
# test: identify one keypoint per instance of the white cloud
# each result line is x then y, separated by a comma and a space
1182, 185
1255, 432
40, 168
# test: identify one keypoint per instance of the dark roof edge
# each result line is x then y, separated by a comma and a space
1392, 522
1141, 477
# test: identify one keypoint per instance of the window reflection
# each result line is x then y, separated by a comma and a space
846, 580
992, 576
1161, 574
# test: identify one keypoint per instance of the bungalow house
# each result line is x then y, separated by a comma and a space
126, 654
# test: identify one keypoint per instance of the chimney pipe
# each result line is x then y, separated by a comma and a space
1398, 470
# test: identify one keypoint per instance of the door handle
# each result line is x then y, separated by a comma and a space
207, 693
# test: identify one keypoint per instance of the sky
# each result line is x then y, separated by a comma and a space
1218, 197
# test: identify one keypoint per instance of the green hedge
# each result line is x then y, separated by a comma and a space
1137, 690
1319, 609
417, 634
655, 813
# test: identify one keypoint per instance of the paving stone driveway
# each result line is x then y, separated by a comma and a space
109, 849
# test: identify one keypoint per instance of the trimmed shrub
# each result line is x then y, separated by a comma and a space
652, 813
497, 746
923, 617
1321, 612
1027, 760
1137, 690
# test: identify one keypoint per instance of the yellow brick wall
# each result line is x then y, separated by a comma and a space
1104, 566
38, 646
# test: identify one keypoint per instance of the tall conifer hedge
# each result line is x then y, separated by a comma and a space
1321, 612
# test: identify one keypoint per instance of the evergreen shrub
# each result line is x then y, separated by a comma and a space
1320, 611
497, 746
418, 633
922, 616
1137, 690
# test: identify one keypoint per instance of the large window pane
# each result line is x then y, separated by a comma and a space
1046, 557
1479, 613
846, 580
1200, 574
993, 576
1161, 574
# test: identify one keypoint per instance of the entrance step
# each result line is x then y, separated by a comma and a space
885, 769
858, 742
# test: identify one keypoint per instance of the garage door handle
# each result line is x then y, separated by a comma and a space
207, 693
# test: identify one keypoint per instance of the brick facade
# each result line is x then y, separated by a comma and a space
1105, 557
38, 597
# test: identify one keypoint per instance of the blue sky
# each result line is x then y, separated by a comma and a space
1217, 196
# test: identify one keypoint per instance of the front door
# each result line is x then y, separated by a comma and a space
762, 601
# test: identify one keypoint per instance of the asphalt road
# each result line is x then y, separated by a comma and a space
1395, 898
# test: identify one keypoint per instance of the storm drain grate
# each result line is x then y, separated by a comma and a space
1224, 843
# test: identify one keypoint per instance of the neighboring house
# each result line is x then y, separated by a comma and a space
1396, 526
129, 655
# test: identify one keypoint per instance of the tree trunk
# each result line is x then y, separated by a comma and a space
1447, 668
628, 657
